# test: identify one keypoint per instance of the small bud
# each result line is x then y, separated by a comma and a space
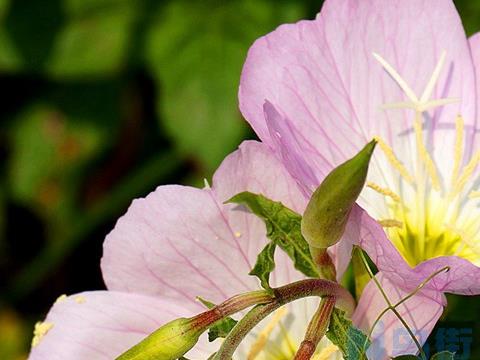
169, 342
326, 215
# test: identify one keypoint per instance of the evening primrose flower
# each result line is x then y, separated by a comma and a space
404, 73
175, 245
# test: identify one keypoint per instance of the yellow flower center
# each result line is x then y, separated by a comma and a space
430, 216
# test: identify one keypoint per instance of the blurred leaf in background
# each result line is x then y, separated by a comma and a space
94, 39
13, 336
195, 50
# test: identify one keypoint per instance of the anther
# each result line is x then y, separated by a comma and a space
262, 338
383, 191
397, 164
389, 223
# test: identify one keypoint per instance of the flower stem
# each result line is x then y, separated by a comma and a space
324, 263
317, 329
413, 293
284, 295
231, 306
392, 307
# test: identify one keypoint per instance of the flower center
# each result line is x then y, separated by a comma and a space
430, 216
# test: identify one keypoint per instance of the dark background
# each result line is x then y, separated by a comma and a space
103, 100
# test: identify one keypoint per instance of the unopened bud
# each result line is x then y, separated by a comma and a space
326, 215
169, 342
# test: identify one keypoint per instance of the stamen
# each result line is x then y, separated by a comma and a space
383, 191
427, 93
397, 164
467, 173
458, 148
396, 76
388, 223
466, 241
326, 353
424, 155
262, 338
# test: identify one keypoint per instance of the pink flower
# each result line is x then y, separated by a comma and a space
176, 244
402, 71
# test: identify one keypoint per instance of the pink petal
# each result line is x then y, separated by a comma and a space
474, 42
390, 338
103, 324
322, 78
255, 168
462, 278
289, 150
177, 243
181, 242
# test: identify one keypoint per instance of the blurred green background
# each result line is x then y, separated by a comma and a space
103, 101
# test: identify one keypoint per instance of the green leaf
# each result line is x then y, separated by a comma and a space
48, 152
196, 49
406, 357
283, 228
351, 341
21, 47
265, 265
93, 43
221, 328
444, 355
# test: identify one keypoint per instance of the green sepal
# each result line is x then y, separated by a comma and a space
351, 341
265, 265
283, 228
327, 212
169, 342
222, 327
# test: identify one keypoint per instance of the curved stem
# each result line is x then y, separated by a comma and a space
284, 295
242, 328
317, 329
324, 263
413, 293
391, 307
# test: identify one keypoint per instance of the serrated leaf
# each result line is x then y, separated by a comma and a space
221, 328
265, 265
283, 228
444, 355
352, 342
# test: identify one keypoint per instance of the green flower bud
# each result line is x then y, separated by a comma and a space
326, 215
169, 342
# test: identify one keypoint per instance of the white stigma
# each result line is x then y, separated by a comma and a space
422, 103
